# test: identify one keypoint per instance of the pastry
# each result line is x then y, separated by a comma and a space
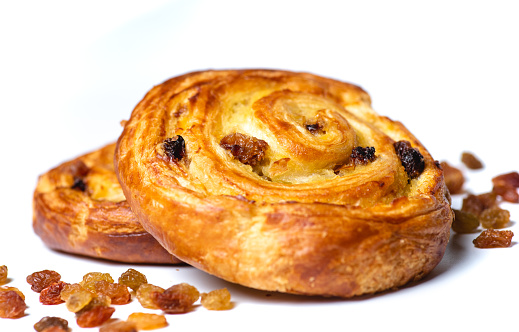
283, 181
79, 208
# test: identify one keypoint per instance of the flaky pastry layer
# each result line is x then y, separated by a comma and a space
79, 208
250, 176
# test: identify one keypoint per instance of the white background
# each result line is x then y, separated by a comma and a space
70, 71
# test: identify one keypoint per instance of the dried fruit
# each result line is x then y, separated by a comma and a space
175, 148
476, 204
70, 289
3, 274
78, 300
92, 277
219, 299
247, 149
144, 321
363, 156
79, 184
471, 161
117, 293
464, 222
11, 305
494, 217
94, 316
176, 299
454, 178
133, 279
52, 294
144, 295
492, 238
47, 322
8, 288
505, 185
42, 279
411, 158
315, 128
118, 326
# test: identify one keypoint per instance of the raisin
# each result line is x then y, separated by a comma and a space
7, 288
506, 185
315, 128
3, 274
42, 279
118, 326
471, 161
492, 238
133, 279
78, 300
94, 316
494, 217
46, 322
363, 156
219, 299
476, 204
55, 329
145, 321
118, 293
52, 294
70, 289
144, 295
11, 304
90, 278
176, 299
247, 149
454, 178
79, 184
175, 148
464, 222
411, 158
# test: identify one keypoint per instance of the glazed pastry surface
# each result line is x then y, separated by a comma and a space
79, 208
253, 176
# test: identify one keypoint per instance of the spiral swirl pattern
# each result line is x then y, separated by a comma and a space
269, 193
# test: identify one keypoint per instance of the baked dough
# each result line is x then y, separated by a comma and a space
250, 176
79, 208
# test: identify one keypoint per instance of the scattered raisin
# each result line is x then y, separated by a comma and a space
464, 222
505, 185
175, 147
11, 304
145, 321
42, 279
144, 295
70, 289
494, 217
78, 300
471, 161
46, 322
363, 156
492, 238
118, 326
133, 279
454, 178
176, 299
94, 316
219, 299
79, 184
52, 294
8, 288
411, 158
91, 277
3, 274
476, 204
247, 149
118, 293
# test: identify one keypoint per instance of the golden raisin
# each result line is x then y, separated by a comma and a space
70, 289
454, 178
471, 161
78, 300
476, 204
11, 305
94, 316
133, 279
494, 217
47, 322
117, 293
9, 288
219, 299
464, 222
42, 279
52, 294
247, 149
492, 238
144, 295
505, 185
3, 274
92, 277
176, 299
144, 321
118, 326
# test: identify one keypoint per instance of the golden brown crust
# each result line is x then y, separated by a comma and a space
96, 221
303, 219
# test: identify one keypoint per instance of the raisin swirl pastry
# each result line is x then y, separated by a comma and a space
284, 182
79, 208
